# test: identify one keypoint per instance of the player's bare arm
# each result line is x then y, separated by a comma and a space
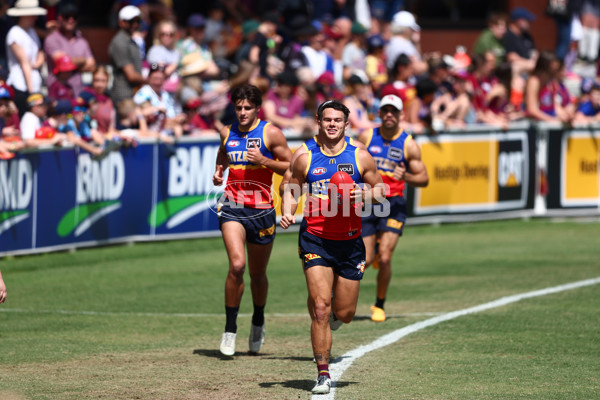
279, 147
292, 191
222, 160
416, 174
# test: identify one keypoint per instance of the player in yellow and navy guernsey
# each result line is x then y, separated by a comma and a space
330, 245
253, 150
398, 159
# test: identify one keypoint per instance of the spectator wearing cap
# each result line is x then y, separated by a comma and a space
68, 40
33, 120
520, 50
491, 38
406, 38
194, 43
158, 106
354, 54
10, 118
360, 100
8, 144
62, 120
24, 52
63, 70
284, 108
125, 57
375, 66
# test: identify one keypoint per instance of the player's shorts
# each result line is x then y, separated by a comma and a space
259, 223
384, 10
371, 224
346, 257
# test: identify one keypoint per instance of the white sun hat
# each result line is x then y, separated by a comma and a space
24, 8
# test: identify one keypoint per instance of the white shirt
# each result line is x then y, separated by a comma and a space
29, 124
399, 45
30, 43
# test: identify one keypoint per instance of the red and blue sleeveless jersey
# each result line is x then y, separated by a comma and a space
248, 184
388, 154
323, 219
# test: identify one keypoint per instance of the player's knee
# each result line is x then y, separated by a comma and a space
322, 309
237, 268
385, 257
345, 316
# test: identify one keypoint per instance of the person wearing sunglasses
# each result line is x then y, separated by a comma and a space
164, 52
125, 57
67, 40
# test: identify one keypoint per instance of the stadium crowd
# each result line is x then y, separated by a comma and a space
168, 78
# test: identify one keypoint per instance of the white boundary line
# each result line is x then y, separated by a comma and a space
337, 370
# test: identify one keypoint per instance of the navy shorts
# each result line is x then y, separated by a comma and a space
384, 10
259, 223
346, 257
394, 222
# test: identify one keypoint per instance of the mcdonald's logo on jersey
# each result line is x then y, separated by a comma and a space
332, 161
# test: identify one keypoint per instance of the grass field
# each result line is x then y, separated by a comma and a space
144, 321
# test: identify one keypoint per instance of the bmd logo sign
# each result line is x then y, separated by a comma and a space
16, 189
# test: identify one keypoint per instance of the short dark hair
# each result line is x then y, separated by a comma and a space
336, 105
247, 92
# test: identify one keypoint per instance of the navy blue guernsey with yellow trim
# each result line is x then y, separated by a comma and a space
320, 168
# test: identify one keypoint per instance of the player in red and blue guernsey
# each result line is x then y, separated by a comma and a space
253, 150
330, 246
398, 159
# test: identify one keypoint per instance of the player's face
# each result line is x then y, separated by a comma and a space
390, 117
246, 113
332, 123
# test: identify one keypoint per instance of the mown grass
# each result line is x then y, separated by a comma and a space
156, 314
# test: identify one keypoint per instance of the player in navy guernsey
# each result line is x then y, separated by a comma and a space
398, 159
253, 150
330, 246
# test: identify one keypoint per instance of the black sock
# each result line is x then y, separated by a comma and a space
231, 313
258, 318
379, 302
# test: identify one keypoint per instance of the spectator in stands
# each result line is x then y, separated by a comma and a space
318, 58
194, 44
284, 108
7, 129
125, 57
301, 30
382, 13
403, 80
158, 106
520, 50
482, 82
360, 101
354, 54
405, 40
459, 110
491, 38
375, 65
164, 52
104, 111
543, 91
498, 99
24, 52
418, 114
326, 88
132, 123
61, 120
589, 111
61, 88
264, 46
139, 37
32, 122
68, 40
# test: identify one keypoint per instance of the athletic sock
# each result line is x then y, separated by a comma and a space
323, 370
379, 303
258, 317
231, 314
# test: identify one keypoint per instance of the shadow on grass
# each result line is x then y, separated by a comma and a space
302, 384
368, 317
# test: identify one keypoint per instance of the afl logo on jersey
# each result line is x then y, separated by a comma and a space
253, 141
395, 154
375, 149
233, 143
319, 171
347, 168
